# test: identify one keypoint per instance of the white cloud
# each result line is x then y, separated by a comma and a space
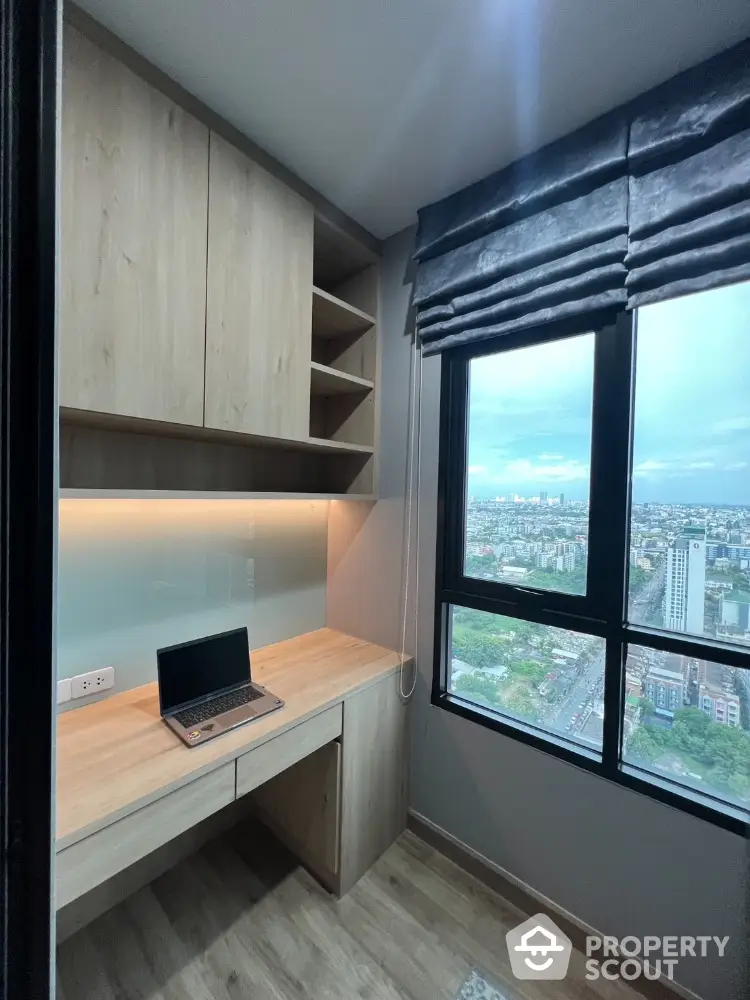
735, 466
551, 458
731, 424
701, 465
522, 471
477, 470
650, 466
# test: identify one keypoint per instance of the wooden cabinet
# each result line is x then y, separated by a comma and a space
133, 258
342, 806
374, 778
198, 289
259, 306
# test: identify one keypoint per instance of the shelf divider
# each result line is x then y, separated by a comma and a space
332, 317
326, 381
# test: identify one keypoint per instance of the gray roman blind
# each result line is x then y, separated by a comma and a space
645, 203
689, 186
545, 238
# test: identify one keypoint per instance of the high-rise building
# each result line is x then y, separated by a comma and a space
715, 694
562, 499
542, 497
686, 582
664, 685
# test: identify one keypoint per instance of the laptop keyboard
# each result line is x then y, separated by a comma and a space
216, 706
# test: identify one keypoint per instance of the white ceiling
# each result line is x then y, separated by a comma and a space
386, 105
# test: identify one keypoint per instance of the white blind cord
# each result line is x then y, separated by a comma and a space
414, 448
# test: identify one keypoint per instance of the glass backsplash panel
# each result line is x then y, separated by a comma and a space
135, 575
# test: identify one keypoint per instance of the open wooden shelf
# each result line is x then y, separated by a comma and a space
332, 317
325, 381
338, 256
105, 455
72, 494
139, 425
328, 444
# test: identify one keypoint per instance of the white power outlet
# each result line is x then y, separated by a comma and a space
93, 682
64, 690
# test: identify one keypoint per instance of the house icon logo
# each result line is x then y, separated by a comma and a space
538, 949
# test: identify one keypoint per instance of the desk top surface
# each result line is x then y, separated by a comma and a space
117, 755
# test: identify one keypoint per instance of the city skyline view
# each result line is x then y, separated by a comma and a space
530, 409
689, 572
527, 524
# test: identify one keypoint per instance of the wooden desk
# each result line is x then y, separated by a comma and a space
126, 785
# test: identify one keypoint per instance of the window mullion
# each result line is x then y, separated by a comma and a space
610, 511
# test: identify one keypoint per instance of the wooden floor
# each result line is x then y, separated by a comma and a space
241, 920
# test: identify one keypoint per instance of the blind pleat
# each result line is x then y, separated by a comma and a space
566, 254
696, 269
691, 110
695, 187
689, 184
560, 172
593, 307
581, 287
545, 237
569, 265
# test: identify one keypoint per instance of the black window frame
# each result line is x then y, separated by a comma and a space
602, 611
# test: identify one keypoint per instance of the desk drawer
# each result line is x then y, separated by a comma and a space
93, 860
266, 761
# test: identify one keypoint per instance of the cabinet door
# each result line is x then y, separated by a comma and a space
259, 309
374, 790
133, 258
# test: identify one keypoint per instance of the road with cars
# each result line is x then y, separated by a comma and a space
571, 714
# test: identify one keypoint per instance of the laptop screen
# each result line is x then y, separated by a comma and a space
203, 667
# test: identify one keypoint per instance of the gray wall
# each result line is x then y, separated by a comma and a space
135, 575
616, 860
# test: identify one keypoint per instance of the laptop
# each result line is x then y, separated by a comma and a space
205, 687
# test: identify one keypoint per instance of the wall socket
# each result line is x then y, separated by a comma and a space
93, 682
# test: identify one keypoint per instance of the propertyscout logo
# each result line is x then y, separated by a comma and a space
538, 949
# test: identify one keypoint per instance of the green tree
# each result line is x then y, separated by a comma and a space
648, 709
478, 687
520, 703
476, 648
529, 670
642, 746
739, 784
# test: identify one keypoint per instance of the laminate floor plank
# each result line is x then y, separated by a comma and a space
204, 919
278, 935
80, 972
473, 920
421, 967
317, 916
241, 920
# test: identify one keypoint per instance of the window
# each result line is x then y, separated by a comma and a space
526, 448
699, 736
593, 573
690, 518
550, 677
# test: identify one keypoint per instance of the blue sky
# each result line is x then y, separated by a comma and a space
529, 426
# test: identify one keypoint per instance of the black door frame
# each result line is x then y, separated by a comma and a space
28, 105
